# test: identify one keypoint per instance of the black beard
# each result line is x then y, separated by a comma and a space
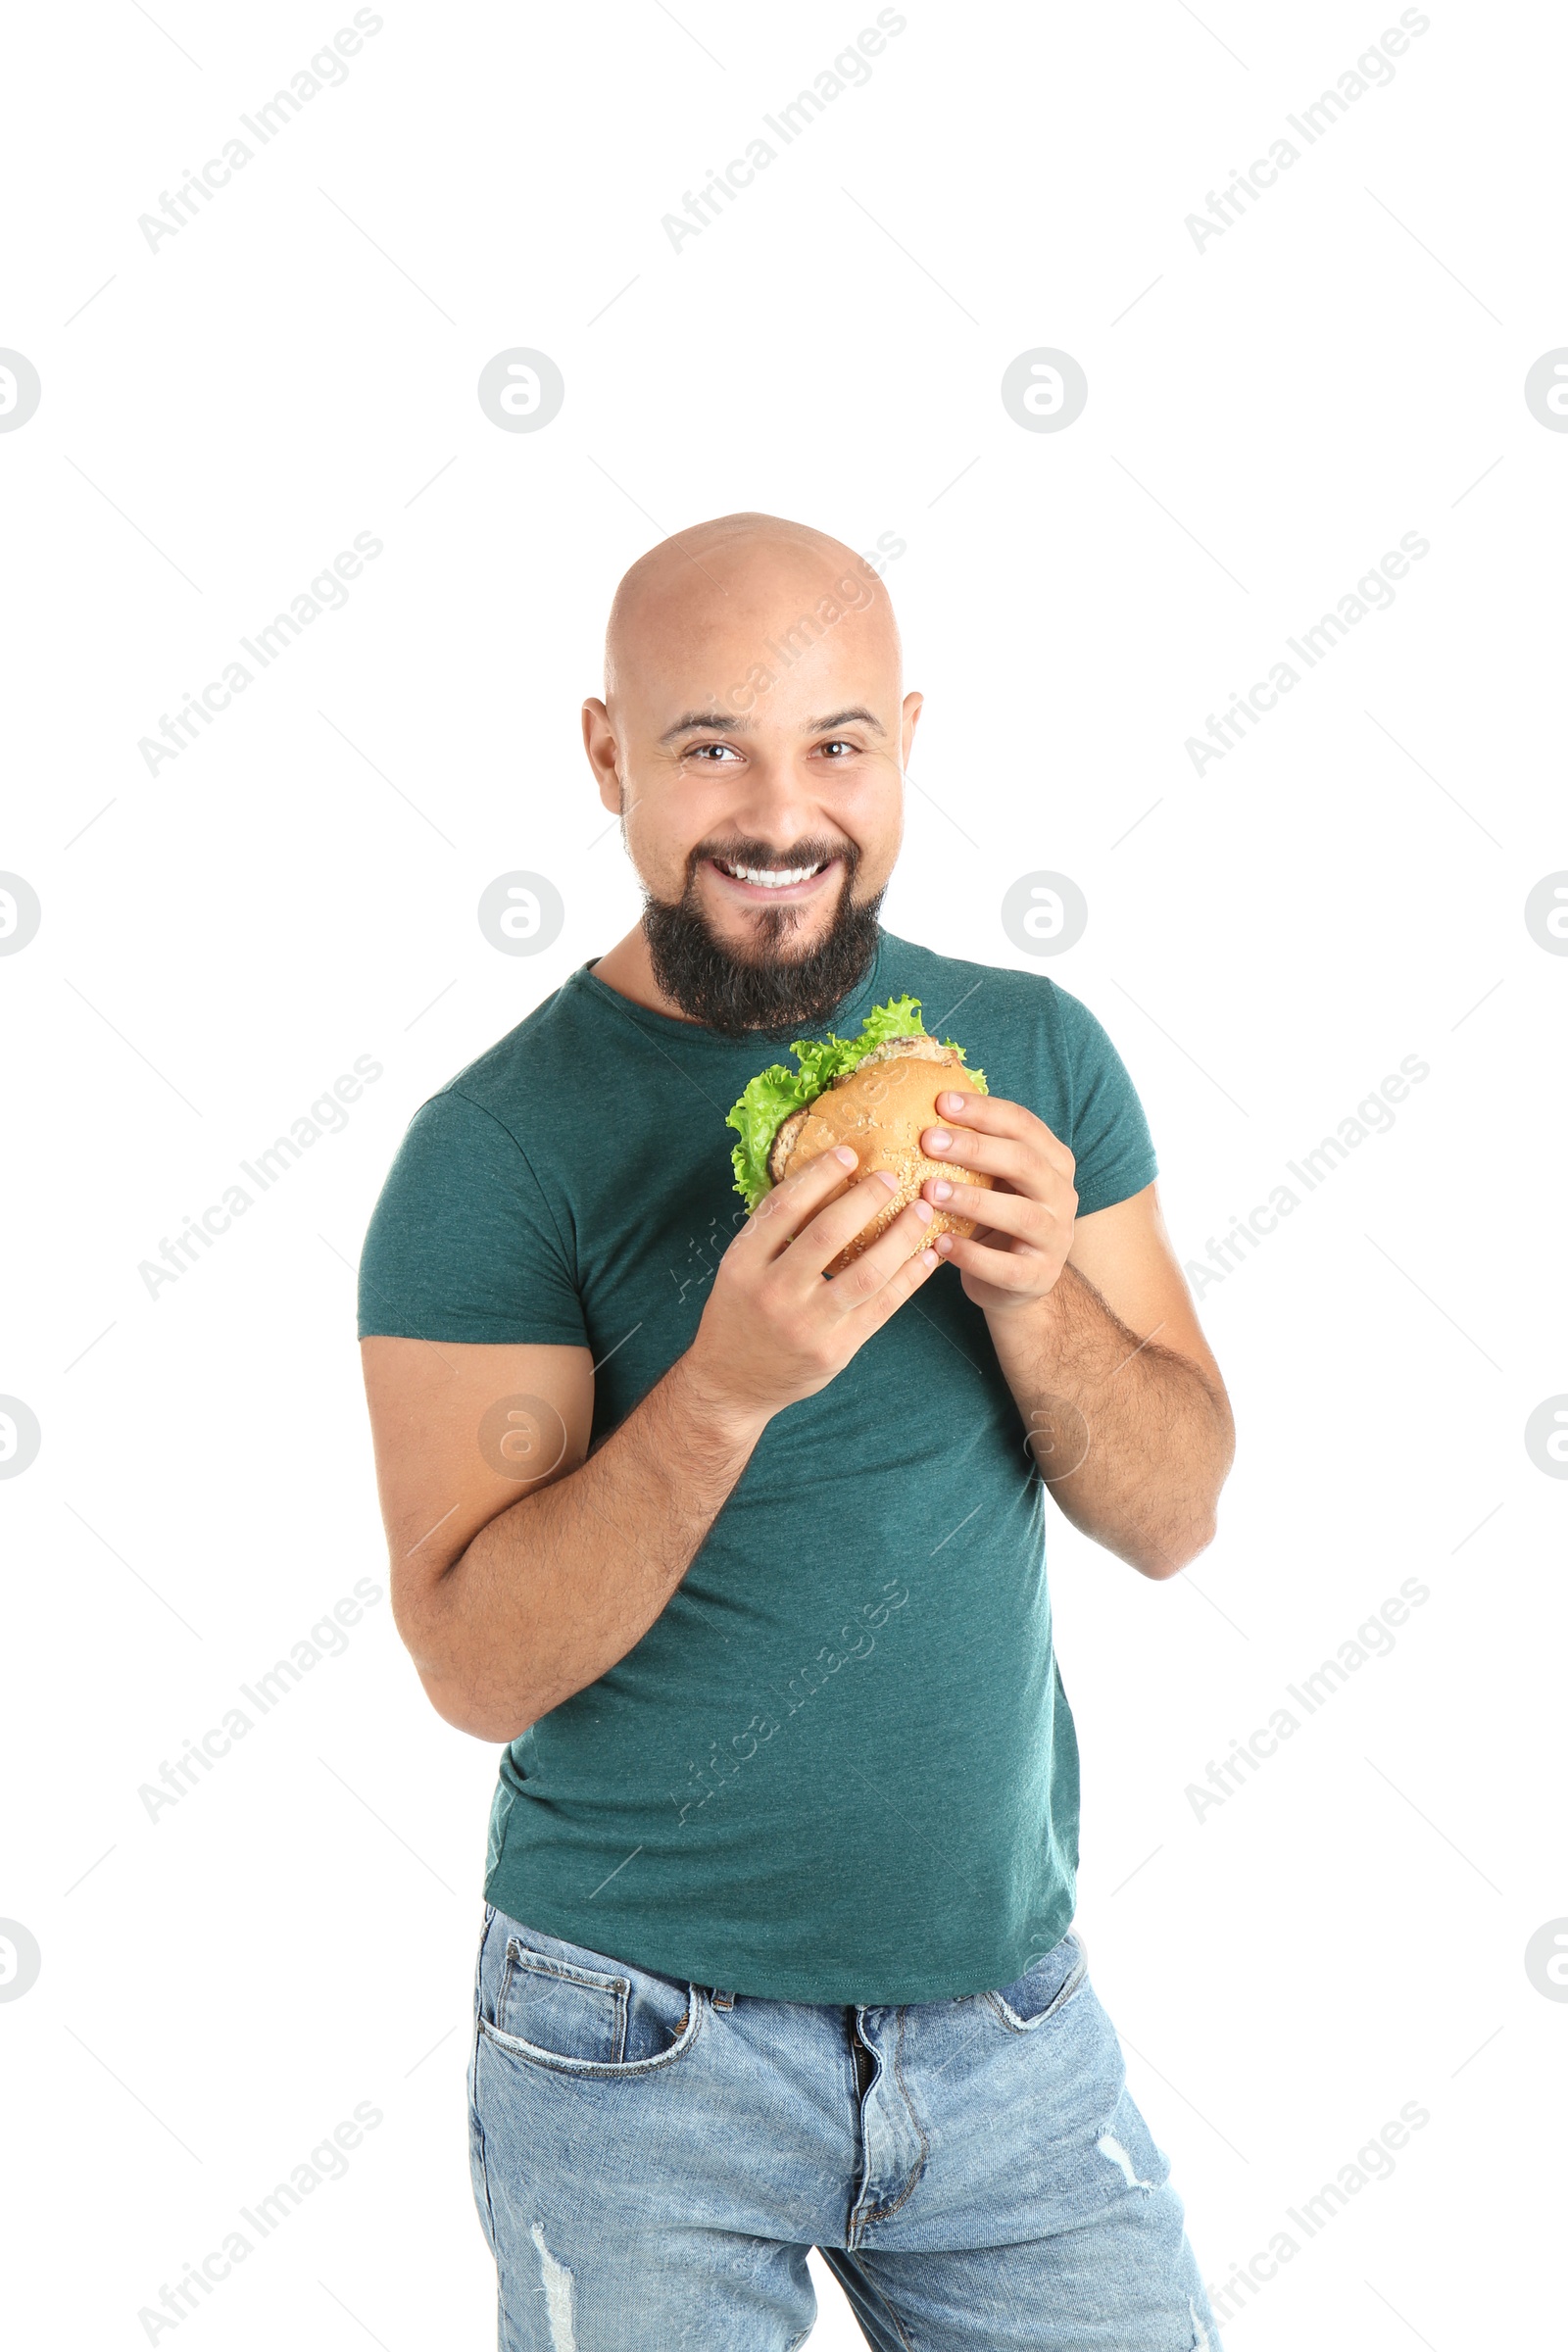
713, 985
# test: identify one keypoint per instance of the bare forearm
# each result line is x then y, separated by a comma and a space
1134, 1443
552, 1592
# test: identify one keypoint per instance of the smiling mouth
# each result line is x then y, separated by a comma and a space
774, 878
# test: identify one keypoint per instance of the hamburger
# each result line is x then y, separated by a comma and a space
876, 1093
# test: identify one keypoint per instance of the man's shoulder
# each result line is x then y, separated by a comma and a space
987, 991
1023, 1028
545, 1045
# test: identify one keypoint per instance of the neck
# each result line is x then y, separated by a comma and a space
628, 969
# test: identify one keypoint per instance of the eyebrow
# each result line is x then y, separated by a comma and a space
719, 722
715, 722
842, 718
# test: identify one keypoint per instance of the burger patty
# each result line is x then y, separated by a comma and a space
784, 1143
920, 1049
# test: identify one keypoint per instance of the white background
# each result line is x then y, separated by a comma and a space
1266, 940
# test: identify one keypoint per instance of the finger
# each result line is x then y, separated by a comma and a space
1006, 1269
994, 1114
1009, 1213
986, 1154
915, 1269
781, 1213
841, 1220
866, 1274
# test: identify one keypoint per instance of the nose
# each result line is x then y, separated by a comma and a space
780, 815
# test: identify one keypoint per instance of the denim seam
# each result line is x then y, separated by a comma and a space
475, 2120
1073, 1984
870, 2288
478, 2124
545, 1964
1031, 2024
883, 2213
523, 1960
551, 2061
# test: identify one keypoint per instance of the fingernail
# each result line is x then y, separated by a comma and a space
951, 1105
924, 1211
944, 1243
940, 1139
843, 1152
942, 1189
889, 1179
929, 1257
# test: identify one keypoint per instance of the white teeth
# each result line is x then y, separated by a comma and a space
769, 877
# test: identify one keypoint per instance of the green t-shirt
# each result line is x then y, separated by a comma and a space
839, 1766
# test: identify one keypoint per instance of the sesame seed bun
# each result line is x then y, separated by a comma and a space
879, 1109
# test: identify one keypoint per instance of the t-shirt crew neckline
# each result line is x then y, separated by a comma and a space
648, 1018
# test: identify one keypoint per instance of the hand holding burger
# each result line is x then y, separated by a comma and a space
859, 1180
1016, 1257
1000, 1184
838, 1236
876, 1094
772, 1330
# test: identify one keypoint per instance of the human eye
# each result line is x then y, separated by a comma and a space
713, 755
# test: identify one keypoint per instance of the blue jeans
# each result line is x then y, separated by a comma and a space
653, 2160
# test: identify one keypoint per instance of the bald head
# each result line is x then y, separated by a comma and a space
747, 595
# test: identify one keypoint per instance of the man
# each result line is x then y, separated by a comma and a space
745, 1564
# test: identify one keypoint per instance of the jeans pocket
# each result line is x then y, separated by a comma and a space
581, 2012
576, 2012
1045, 1988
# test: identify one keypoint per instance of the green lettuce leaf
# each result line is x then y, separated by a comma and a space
777, 1092
899, 1016
769, 1101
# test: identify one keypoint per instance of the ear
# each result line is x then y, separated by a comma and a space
914, 704
599, 742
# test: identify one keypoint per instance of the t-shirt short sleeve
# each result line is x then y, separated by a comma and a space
462, 1243
1110, 1140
